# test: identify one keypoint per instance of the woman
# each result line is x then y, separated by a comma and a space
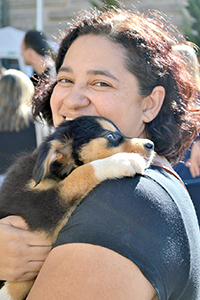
135, 238
17, 130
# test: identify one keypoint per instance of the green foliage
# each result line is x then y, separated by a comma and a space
192, 28
106, 4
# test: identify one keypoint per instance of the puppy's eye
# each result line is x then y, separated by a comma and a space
111, 136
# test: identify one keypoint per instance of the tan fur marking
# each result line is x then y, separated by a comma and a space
137, 146
97, 149
59, 156
107, 125
18, 290
133, 146
44, 185
79, 183
55, 145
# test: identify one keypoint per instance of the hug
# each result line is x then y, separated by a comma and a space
134, 237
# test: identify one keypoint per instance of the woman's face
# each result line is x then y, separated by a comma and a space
94, 81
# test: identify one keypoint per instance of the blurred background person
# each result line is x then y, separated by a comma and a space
36, 52
17, 130
189, 168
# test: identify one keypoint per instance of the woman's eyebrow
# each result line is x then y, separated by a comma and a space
65, 69
102, 72
90, 72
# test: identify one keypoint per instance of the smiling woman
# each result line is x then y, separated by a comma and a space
102, 86
133, 238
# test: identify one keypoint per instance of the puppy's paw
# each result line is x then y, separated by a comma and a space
119, 165
4, 294
15, 290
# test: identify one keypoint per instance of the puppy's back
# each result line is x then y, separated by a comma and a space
16, 179
41, 208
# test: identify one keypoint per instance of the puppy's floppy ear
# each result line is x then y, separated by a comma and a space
48, 154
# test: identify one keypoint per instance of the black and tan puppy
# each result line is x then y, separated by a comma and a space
46, 186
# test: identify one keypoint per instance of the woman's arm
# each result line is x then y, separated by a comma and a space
22, 253
84, 271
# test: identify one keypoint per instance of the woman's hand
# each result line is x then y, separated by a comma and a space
194, 161
22, 253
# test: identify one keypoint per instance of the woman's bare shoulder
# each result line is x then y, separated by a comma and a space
85, 271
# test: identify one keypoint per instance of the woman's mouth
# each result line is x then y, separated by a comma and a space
69, 118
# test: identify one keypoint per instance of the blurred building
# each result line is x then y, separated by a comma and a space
22, 14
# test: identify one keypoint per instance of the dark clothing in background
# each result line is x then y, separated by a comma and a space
13, 143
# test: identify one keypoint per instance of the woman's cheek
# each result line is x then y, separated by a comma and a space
55, 102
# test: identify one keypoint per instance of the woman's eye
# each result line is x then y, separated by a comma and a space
101, 83
64, 80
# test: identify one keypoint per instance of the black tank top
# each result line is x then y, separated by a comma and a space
150, 220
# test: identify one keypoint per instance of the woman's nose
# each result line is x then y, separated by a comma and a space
76, 98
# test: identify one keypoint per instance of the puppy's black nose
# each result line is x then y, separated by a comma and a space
149, 146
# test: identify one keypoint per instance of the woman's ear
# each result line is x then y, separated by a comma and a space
153, 103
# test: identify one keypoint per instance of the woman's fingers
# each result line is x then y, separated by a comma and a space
22, 252
14, 221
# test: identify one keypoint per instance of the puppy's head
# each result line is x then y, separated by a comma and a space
108, 140
81, 141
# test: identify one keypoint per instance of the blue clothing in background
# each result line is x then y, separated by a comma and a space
192, 184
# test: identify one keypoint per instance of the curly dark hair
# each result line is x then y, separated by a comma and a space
148, 40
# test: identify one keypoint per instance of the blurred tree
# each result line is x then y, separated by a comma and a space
106, 4
192, 28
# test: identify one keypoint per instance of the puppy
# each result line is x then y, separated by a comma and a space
46, 186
